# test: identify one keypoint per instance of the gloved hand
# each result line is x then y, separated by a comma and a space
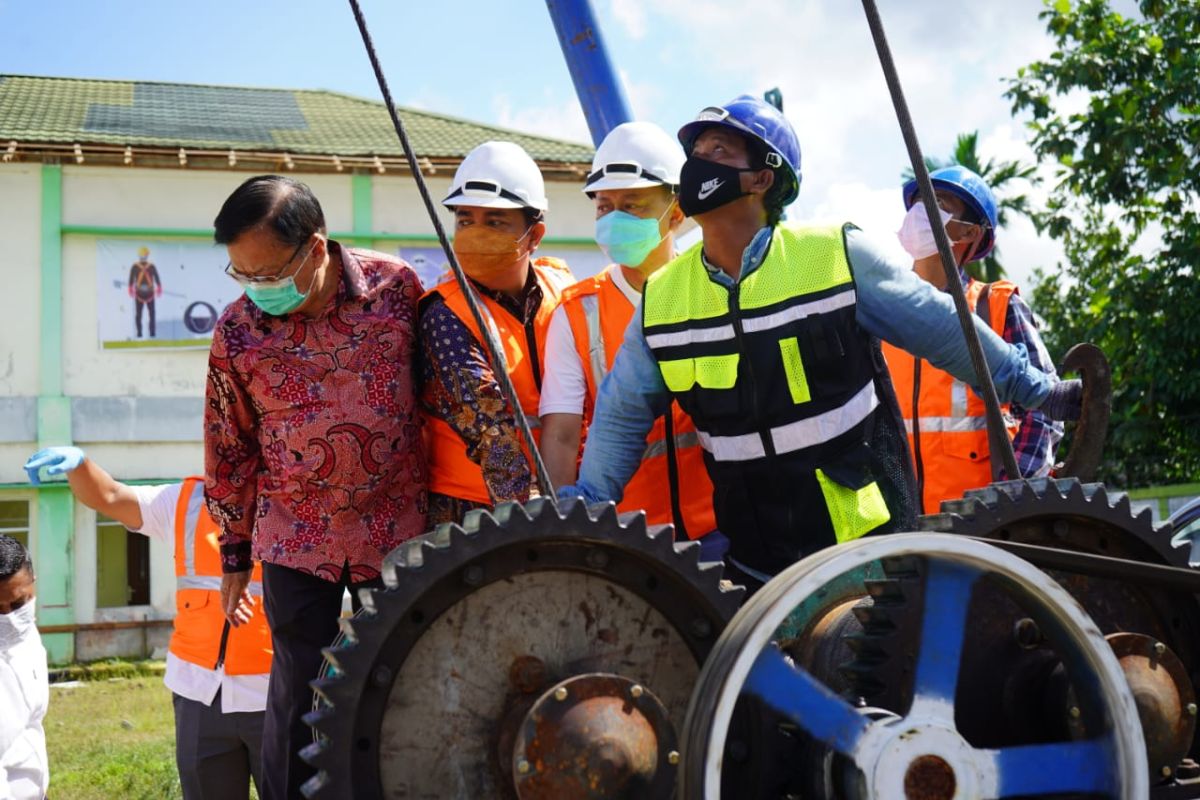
1065, 401
55, 460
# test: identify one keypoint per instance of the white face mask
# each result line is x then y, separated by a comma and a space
916, 235
16, 625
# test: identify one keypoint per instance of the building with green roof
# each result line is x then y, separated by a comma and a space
169, 124
92, 172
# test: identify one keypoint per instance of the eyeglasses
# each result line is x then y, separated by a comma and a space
271, 280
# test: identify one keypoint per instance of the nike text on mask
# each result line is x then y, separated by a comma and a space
707, 185
627, 239
916, 235
16, 625
486, 254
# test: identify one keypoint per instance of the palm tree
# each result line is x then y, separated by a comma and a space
995, 174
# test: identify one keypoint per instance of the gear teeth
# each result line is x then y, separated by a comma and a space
316, 786
688, 550
635, 521
573, 510
349, 637
507, 514
359, 664
604, 513
936, 523
966, 507
472, 521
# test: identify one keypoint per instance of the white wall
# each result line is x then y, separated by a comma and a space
20, 234
167, 198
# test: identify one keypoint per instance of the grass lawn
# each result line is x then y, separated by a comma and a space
112, 739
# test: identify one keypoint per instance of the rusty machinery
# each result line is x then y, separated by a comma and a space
1037, 640
540, 652
534, 652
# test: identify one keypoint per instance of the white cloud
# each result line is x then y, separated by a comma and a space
631, 15
560, 120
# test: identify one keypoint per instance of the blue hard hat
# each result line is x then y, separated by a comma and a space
765, 125
970, 188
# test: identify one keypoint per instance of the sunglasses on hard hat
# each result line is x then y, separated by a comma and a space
723, 117
622, 168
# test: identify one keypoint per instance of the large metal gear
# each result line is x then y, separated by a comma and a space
1013, 688
921, 752
495, 649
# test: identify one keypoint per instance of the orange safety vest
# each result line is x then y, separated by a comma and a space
953, 419
451, 471
200, 624
599, 313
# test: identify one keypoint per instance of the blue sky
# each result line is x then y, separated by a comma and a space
499, 62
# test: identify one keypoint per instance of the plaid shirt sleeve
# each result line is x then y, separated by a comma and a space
462, 390
1037, 435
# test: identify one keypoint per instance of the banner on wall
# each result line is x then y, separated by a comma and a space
160, 293
432, 268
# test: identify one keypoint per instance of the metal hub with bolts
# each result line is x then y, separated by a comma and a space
595, 737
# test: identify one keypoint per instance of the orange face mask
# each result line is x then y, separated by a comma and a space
488, 255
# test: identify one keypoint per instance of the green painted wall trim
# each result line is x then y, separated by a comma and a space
50, 331
54, 524
363, 235
362, 208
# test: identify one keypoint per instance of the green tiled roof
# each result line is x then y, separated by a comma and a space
68, 110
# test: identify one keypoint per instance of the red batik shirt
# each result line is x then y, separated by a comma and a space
312, 438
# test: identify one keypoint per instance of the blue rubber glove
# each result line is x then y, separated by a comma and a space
55, 460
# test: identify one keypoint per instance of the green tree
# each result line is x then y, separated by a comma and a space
999, 176
1126, 208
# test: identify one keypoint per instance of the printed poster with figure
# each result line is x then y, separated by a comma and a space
160, 293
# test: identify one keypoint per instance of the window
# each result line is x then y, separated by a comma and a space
122, 565
14, 520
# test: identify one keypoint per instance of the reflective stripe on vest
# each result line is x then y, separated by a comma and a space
212, 583
200, 623
598, 312
597, 358
947, 424
795, 435
955, 452
682, 441
797, 306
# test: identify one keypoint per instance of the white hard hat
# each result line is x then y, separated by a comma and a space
497, 175
635, 155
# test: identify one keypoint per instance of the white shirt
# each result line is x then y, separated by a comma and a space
238, 692
564, 386
24, 695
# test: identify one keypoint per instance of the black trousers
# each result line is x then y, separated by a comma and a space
137, 316
302, 612
217, 754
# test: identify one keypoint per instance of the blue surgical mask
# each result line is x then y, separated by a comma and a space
627, 239
278, 299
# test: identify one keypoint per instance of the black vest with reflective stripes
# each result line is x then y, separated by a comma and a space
781, 383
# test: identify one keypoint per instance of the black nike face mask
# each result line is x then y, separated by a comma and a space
707, 185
